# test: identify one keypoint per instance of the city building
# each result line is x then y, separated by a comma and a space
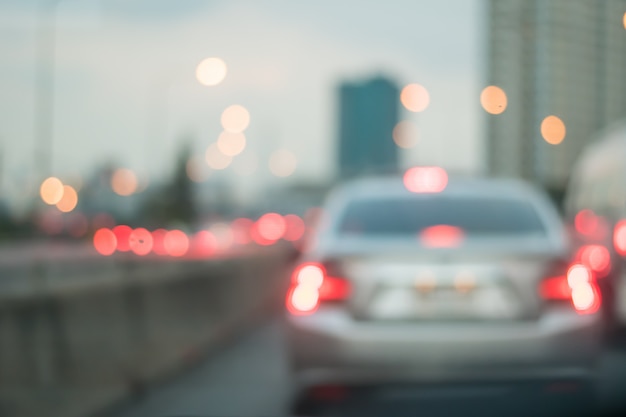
565, 58
368, 112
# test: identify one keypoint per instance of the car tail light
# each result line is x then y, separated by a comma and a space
310, 285
596, 257
577, 285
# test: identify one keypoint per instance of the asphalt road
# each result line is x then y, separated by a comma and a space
250, 378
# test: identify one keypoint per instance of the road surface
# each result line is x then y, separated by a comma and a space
250, 378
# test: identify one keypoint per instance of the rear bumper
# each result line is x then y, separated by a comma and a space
329, 346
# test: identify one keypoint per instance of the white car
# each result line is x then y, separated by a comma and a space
472, 283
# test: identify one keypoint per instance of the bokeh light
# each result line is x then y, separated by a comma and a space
271, 226
231, 144
140, 241
197, 169
405, 134
619, 237
223, 235
442, 236
235, 119
282, 163
124, 182
176, 243
215, 159
415, 97
158, 242
122, 234
553, 130
203, 243
104, 241
211, 71
425, 179
69, 200
493, 99
294, 228
51, 190
624, 20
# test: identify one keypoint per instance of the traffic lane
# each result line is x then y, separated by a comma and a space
251, 378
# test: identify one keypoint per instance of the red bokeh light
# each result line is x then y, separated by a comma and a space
204, 243
271, 226
442, 236
158, 242
295, 228
619, 237
257, 238
104, 241
122, 234
140, 241
596, 257
176, 243
241, 230
425, 179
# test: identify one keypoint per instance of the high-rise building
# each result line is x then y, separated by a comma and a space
368, 112
565, 58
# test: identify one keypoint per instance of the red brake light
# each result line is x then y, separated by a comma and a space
596, 257
619, 237
425, 179
576, 285
311, 285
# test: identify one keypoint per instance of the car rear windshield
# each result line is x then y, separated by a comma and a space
475, 216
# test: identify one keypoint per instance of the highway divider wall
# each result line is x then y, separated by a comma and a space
75, 339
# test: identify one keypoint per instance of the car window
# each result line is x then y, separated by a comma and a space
475, 216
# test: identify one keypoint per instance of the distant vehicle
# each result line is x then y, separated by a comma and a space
595, 207
470, 280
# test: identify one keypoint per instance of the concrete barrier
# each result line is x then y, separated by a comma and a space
71, 346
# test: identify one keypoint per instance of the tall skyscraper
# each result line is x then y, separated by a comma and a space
368, 112
565, 58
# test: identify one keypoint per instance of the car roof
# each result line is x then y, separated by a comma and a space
476, 186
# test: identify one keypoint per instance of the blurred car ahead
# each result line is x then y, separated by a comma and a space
595, 207
471, 283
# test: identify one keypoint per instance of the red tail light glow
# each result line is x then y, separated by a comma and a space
442, 236
158, 242
140, 241
311, 285
105, 242
596, 257
122, 233
619, 237
577, 285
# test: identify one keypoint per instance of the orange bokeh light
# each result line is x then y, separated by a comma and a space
231, 144
211, 71
124, 182
105, 242
69, 200
235, 119
51, 190
415, 97
215, 159
493, 99
553, 130
405, 134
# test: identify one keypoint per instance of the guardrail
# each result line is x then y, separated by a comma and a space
78, 336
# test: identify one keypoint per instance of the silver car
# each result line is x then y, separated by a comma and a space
472, 282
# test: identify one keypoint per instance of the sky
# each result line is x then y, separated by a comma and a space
125, 87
